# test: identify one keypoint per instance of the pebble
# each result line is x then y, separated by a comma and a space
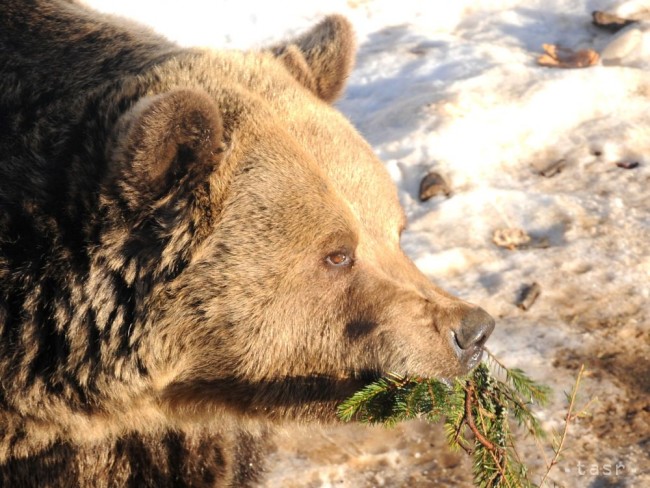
627, 164
609, 22
433, 184
528, 295
553, 168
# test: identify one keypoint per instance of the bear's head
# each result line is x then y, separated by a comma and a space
259, 237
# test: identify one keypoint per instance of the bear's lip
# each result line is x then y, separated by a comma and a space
468, 358
474, 359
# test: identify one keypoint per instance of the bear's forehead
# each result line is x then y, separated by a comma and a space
318, 158
304, 139
351, 167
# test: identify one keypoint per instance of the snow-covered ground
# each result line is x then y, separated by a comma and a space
454, 87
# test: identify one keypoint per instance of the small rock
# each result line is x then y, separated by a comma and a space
433, 184
553, 168
528, 295
627, 164
609, 22
510, 238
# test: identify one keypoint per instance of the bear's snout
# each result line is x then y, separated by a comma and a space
468, 340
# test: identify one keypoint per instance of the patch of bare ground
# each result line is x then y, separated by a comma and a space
355, 456
616, 353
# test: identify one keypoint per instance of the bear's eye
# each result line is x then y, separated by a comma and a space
339, 259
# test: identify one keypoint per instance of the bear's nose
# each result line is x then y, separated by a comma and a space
474, 330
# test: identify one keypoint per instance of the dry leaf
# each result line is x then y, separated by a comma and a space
562, 57
510, 238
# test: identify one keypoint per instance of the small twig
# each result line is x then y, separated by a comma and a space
493, 452
469, 393
495, 359
467, 449
584, 410
567, 421
460, 428
457, 438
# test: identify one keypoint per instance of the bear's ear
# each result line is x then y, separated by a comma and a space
322, 58
165, 144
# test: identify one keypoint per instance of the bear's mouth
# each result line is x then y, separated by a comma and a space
475, 358
367, 376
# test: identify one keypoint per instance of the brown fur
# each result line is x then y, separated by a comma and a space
165, 289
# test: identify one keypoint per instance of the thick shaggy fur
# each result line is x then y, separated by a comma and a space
166, 220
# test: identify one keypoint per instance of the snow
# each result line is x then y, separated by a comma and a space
454, 87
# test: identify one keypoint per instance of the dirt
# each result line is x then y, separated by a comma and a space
412, 454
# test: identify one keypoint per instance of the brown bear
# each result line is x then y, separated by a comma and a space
193, 246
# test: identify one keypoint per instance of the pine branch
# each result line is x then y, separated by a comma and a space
478, 411
469, 418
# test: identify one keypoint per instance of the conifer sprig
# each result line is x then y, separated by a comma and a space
478, 412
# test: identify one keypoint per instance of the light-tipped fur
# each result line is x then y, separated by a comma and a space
168, 221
